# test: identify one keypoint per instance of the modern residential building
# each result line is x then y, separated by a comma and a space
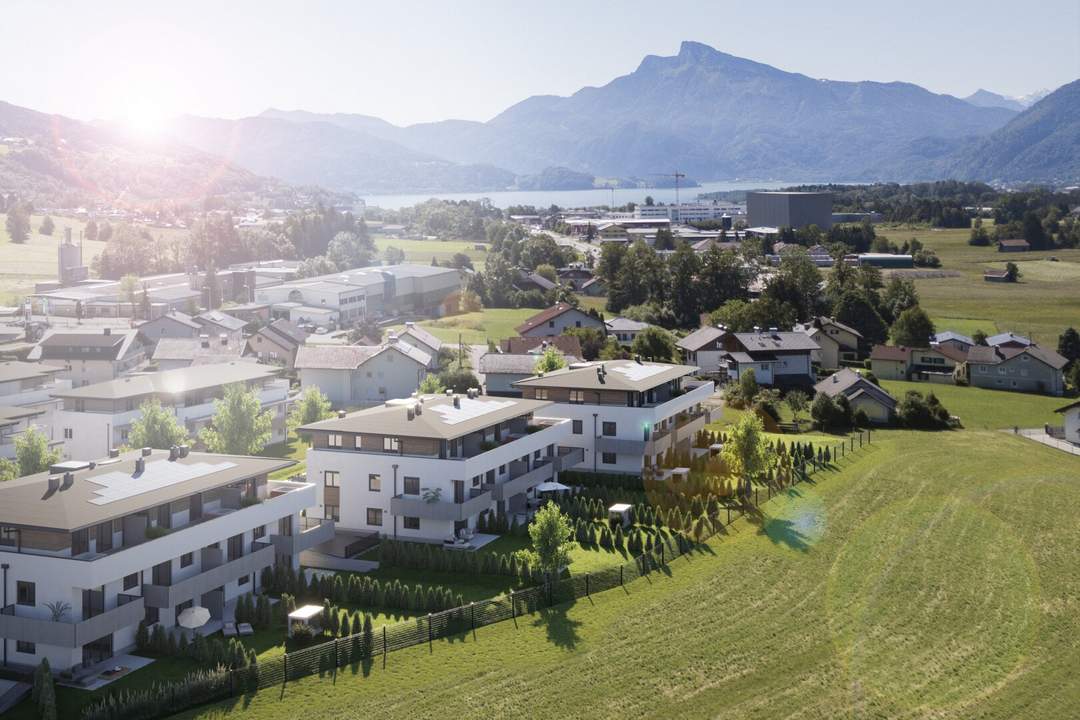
352, 375
427, 467
836, 341
14, 421
1025, 369
90, 550
779, 359
778, 209
624, 414
624, 329
556, 319
91, 357
172, 353
96, 418
879, 406
276, 343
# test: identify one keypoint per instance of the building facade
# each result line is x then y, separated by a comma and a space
352, 375
789, 209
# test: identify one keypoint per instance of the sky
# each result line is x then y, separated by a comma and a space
408, 61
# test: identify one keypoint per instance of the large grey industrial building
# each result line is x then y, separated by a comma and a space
789, 209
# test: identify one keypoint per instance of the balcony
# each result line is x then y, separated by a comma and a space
67, 632
569, 457
316, 531
168, 596
440, 510
621, 446
523, 481
688, 424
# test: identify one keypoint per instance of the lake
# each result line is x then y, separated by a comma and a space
573, 198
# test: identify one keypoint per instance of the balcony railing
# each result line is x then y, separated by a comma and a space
524, 481
313, 531
68, 632
440, 510
167, 596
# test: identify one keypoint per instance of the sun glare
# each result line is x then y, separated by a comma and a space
144, 120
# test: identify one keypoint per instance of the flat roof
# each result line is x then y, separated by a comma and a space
11, 370
630, 375
172, 382
28, 502
438, 418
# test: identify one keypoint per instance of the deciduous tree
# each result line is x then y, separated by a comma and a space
239, 425
156, 427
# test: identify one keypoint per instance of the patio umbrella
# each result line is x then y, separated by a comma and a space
551, 486
193, 617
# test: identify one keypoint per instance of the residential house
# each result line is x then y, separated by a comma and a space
889, 362
1013, 245
594, 287
1024, 369
216, 323
422, 340
625, 330
136, 539
97, 418
703, 348
91, 357
556, 319
501, 370
276, 343
953, 340
625, 414
777, 358
879, 406
836, 341
258, 313
1008, 340
174, 324
527, 280
15, 421
937, 363
575, 275
427, 467
569, 345
1071, 426
172, 353
351, 375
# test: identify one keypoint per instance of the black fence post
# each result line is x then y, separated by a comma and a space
472, 618
728, 514
621, 574
513, 606
429, 638
661, 552
337, 659
586, 584
757, 498
285, 671
384, 647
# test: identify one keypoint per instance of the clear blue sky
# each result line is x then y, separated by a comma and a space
417, 61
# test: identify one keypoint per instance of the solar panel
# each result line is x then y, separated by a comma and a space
157, 475
637, 372
469, 409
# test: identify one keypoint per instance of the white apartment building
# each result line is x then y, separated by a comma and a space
352, 375
97, 418
88, 357
90, 550
26, 401
691, 212
624, 414
427, 467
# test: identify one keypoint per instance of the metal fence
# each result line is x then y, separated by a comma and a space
328, 657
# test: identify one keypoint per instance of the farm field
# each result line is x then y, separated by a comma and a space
927, 576
981, 408
422, 251
1041, 305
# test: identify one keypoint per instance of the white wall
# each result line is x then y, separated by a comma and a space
569, 319
386, 376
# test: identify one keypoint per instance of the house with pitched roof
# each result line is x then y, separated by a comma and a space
276, 343
1008, 340
174, 324
954, 340
703, 348
777, 358
1024, 369
625, 330
215, 323
354, 375
863, 395
937, 363
172, 353
423, 340
836, 341
556, 319
90, 357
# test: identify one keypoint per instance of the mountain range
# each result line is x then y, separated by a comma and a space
703, 112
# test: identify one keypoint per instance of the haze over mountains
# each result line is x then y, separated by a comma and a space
706, 113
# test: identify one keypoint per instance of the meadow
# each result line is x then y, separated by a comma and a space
423, 251
926, 576
23, 265
476, 328
1041, 305
985, 409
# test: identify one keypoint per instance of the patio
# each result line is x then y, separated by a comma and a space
107, 671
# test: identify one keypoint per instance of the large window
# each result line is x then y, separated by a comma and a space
331, 478
25, 647
374, 516
131, 581
608, 458
333, 440
236, 547
608, 429
412, 485
25, 593
391, 444
577, 397
410, 523
541, 393
374, 482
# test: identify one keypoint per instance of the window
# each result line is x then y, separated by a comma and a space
502, 469
391, 444
68, 434
541, 393
608, 458
551, 323
412, 486
244, 580
577, 323
27, 648
374, 482
187, 559
236, 547
476, 481
358, 443
410, 523
577, 397
577, 427
331, 478
25, 593
333, 440
332, 512
374, 516
131, 581
608, 429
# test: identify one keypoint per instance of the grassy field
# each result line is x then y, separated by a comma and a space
987, 409
23, 265
422, 251
478, 327
929, 576
1042, 304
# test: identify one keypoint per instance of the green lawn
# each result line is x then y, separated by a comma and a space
1042, 304
987, 409
293, 449
23, 265
929, 576
476, 328
422, 251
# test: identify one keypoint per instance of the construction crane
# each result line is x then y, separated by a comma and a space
678, 176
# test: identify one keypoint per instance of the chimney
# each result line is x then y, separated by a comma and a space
457, 401
108, 331
391, 339
204, 340
410, 324
69, 479
174, 452
410, 414
182, 450
341, 414
449, 392
146, 451
418, 408
140, 466
835, 379
54, 483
